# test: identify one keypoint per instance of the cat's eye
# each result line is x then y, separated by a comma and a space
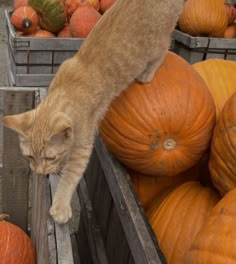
50, 158
30, 157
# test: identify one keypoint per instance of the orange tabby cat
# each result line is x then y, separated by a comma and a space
129, 42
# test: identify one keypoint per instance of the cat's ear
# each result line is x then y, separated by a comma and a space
19, 123
61, 131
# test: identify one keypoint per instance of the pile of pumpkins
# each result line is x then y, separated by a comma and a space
177, 138
209, 18
57, 18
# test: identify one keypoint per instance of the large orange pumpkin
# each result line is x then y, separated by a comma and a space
222, 162
179, 218
15, 246
204, 18
216, 241
163, 127
220, 78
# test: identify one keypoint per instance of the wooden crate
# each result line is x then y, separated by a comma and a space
195, 49
34, 61
112, 227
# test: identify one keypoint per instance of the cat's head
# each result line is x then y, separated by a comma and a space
46, 140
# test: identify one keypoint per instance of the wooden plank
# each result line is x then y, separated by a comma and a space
102, 196
74, 244
16, 171
142, 242
83, 243
96, 244
91, 174
117, 247
42, 228
63, 241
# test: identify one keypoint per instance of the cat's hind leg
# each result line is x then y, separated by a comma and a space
147, 75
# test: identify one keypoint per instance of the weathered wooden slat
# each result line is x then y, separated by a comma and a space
44, 240
96, 244
75, 251
99, 193
15, 182
143, 245
117, 247
91, 175
83, 244
63, 241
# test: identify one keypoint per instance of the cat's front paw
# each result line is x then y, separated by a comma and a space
60, 212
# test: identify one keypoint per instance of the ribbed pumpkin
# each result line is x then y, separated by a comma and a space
222, 162
163, 127
180, 217
52, 14
216, 241
220, 78
15, 246
25, 19
204, 18
83, 20
149, 187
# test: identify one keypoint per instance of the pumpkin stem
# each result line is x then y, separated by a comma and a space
26, 23
169, 144
4, 216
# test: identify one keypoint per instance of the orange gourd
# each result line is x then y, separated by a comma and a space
71, 6
94, 3
65, 32
163, 127
25, 19
220, 78
41, 33
216, 241
106, 4
230, 31
204, 18
83, 20
222, 163
15, 246
179, 218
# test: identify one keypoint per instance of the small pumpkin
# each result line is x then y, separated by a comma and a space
41, 33
230, 31
222, 163
179, 218
71, 6
216, 241
15, 244
25, 19
163, 127
204, 18
106, 4
83, 20
220, 78
52, 14
65, 32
